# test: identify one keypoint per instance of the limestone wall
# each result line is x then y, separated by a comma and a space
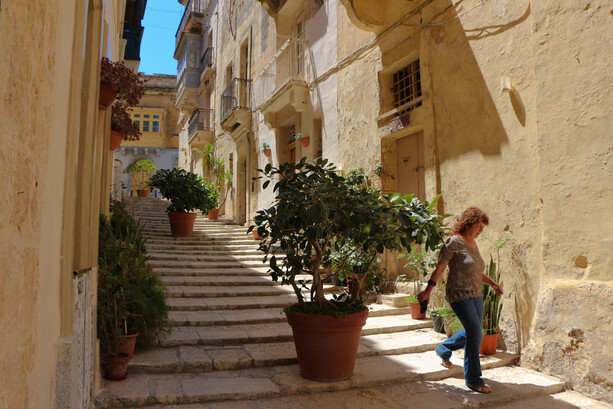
51, 160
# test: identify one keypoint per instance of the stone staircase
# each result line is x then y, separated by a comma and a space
230, 346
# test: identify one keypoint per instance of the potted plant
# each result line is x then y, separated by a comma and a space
451, 322
492, 307
122, 126
141, 170
187, 192
213, 169
303, 139
118, 81
316, 210
437, 320
416, 313
266, 149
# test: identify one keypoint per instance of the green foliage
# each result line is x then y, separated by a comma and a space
443, 312
412, 298
317, 212
141, 170
492, 303
420, 260
265, 146
214, 170
185, 190
131, 298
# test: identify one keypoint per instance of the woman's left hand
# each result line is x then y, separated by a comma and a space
498, 289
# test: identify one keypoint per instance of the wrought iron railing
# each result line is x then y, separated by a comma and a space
193, 6
237, 95
201, 120
207, 59
288, 64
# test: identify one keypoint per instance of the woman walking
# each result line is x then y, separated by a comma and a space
464, 293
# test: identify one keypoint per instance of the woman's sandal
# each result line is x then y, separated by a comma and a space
447, 364
481, 389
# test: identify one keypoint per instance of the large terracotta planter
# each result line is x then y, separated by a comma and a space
116, 139
213, 214
107, 95
117, 367
488, 344
181, 224
143, 192
327, 346
415, 311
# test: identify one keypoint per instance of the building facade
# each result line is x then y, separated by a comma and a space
499, 104
157, 117
56, 168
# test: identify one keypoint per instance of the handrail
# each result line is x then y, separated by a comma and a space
236, 96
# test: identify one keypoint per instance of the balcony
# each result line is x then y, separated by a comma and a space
236, 104
284, 80
206, 64
201, 127
192, 19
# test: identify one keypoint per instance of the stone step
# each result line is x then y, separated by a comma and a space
397, 371
257, 315
208, 257
226, 291
219, 272
205, 250
215, 281
208, 358
272, 332
201, 240
230, 303
204, 264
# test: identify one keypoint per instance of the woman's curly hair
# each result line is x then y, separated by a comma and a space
469, 217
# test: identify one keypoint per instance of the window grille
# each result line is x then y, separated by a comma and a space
156, 126
145, 126
407, 86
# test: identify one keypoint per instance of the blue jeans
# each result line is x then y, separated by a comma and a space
470, 314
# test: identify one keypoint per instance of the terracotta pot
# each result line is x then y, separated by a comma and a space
267, 152
256, 235
327, 346
128, 345
304, 141
116, 139
107, 95
488, 344
213, 214
415, 314
117, 367
328, 271
181, 224
143, 192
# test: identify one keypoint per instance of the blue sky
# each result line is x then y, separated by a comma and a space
161, 21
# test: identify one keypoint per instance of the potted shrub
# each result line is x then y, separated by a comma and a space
304, 140
140, 172
213, 169
492, 307
187, 192
266, 149
316, 211
122, 126
118, 81
416, 313
437, 321
451, 323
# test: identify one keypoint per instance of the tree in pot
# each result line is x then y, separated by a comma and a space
316, 211
140, 171
214, 171
187, 192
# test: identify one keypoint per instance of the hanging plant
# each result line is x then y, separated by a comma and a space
127, 84
121, 121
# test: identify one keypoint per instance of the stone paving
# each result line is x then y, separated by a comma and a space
230, 346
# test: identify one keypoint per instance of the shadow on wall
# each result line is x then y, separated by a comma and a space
465, 114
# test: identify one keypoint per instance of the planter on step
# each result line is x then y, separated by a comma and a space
256, 235
437, 324
127, 345
488, 344
181, 224
117, 366
213, 214
143, 192
452, 325
326, 346
415, 311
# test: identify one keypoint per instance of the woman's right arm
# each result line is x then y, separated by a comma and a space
436, 274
